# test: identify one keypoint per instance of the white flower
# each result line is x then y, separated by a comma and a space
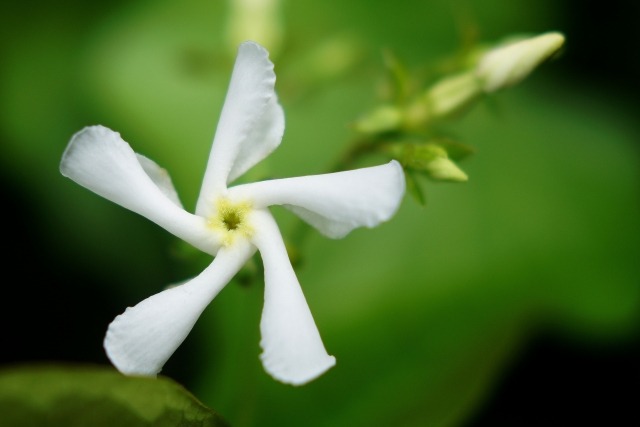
231, 224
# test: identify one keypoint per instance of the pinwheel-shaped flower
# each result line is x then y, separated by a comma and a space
231, 224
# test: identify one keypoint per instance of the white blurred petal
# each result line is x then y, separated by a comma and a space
293, 351
161, 178
334, 203
250, 90
141, 340
99, 159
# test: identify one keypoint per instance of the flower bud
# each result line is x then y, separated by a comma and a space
385, 118
452, 95
508, 64
443, 169
430, 159
258, 20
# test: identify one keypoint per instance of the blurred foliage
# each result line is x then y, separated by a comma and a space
422, 313
67, 396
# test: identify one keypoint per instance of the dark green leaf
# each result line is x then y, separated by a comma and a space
81, 396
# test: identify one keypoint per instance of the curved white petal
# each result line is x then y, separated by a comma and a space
265, 136
293, 351
99, 159
161, 178
250, 90
141, 340
334, 203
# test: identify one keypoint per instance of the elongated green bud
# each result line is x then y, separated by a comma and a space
453, 94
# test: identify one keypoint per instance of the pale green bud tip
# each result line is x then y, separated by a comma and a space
443, 169
508, 64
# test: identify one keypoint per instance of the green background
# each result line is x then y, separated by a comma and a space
488, 306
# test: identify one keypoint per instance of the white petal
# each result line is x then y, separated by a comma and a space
293, 351
141, 340
334, 203
246, 105
263, 139
160, 177
99, 159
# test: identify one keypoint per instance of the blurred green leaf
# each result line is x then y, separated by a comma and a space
414, 188
455, 150
82, 396
399, 82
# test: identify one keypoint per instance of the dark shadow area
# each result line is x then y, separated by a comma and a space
562, 383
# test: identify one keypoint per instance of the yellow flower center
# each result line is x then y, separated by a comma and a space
231, 220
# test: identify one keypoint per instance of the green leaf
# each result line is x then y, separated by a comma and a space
73, 395
455, 150
414, 188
